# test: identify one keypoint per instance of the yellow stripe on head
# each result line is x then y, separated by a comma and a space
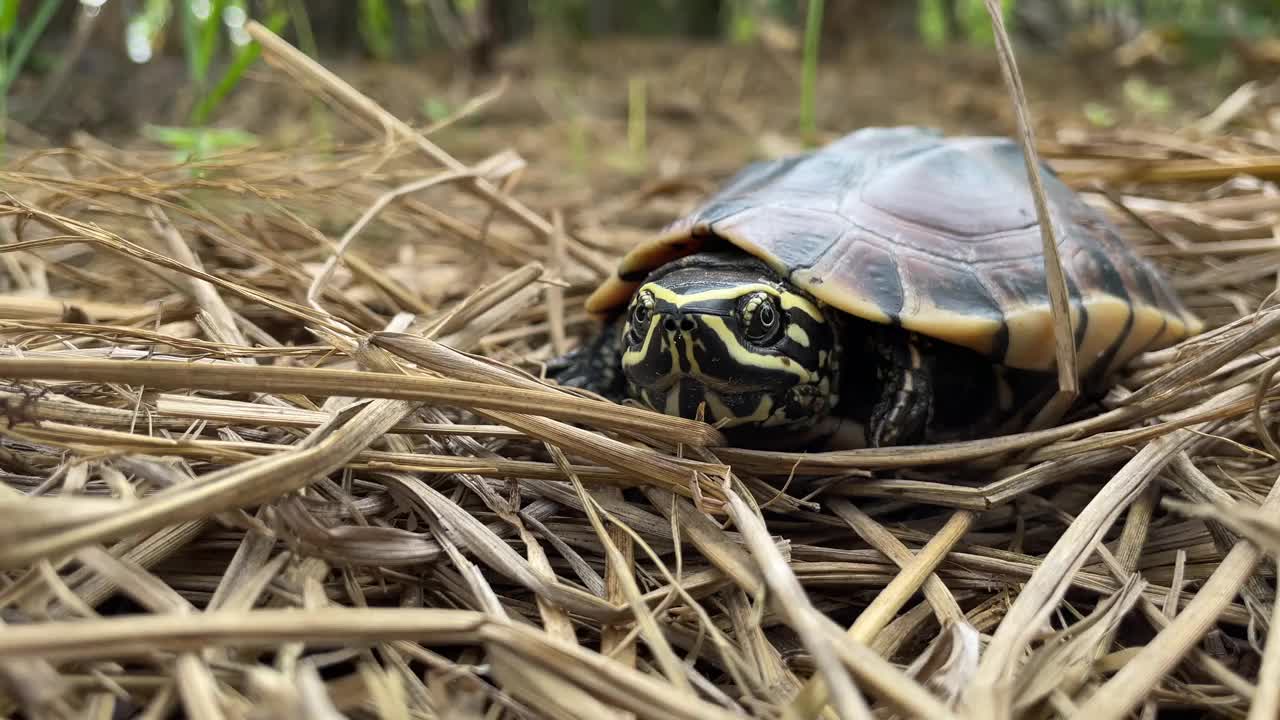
789, 300
743, 356
728, 337
662, 292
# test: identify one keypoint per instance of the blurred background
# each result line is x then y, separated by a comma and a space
629, 86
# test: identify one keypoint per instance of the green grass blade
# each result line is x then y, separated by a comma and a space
190, 42
809, 74
637, 115
301, 22
211, 36
931, 23
8, 18
419, 26
201, 40
26, 38
244, 58
376, 28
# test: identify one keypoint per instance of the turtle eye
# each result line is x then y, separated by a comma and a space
641, 312
761, 319
640, 315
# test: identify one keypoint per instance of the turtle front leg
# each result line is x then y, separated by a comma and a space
596, 365
905, 406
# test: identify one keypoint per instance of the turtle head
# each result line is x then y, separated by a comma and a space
724, 332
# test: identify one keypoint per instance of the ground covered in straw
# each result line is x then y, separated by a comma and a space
274, 446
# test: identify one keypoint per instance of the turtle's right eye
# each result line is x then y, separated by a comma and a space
641, 313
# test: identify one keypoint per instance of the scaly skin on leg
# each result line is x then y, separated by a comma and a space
596, 365
905, 408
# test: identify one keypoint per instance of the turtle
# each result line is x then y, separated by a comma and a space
885, 289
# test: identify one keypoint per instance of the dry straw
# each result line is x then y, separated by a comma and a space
255, 463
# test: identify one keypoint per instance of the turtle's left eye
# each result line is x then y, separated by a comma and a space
640, 316
761, 319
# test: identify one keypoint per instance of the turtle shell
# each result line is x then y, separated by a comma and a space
938, 235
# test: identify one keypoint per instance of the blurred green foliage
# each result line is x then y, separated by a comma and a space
435, 109
376, 28
402, 29
16, 41
976, 22
210, 37
809, 72
243, 57
194, 144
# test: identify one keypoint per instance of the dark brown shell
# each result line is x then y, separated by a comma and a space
938, 235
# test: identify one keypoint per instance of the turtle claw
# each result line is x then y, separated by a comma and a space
577, 370
901, 416
901, 424
596, 366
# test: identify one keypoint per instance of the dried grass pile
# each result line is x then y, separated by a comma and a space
267, 451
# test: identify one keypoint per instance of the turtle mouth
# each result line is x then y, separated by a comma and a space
729, 402
687, 396
708, 383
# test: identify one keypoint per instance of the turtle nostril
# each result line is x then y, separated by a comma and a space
672, 323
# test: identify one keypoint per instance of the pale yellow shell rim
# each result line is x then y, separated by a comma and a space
1030, 329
